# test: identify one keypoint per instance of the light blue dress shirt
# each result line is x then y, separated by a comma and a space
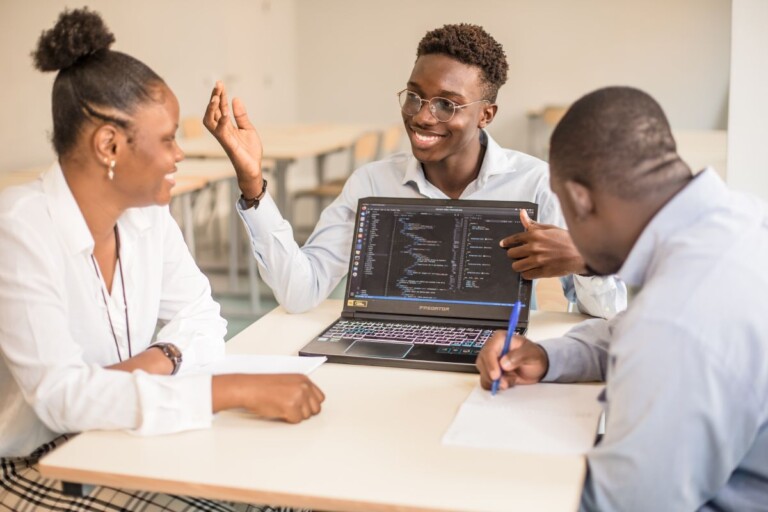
686, 366
302, 277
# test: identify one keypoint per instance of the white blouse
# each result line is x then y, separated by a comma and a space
55, 333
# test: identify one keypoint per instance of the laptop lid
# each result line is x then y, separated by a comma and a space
428, 258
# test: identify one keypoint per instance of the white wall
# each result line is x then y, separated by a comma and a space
343, 60
748, 113
354, 55
190, 43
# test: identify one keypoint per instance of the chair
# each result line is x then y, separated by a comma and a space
391, 140
192, 128
541, 122
364, 150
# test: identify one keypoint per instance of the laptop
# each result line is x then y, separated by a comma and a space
427, 285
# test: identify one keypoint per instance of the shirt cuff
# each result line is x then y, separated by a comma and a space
556, 366
262, 220
174, 404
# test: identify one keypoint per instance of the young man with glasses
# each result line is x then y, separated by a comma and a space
448, 102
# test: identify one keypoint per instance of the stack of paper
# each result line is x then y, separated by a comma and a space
263, 364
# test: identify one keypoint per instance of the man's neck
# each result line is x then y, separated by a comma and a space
453, 175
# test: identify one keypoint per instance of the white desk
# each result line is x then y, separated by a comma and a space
375, 446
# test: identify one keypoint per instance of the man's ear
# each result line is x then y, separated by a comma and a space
487, 115
579, 198
105, 140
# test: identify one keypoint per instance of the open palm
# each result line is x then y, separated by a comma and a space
240, 139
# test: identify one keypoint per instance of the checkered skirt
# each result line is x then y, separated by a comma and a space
23, 489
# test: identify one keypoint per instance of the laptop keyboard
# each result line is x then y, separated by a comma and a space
450, 340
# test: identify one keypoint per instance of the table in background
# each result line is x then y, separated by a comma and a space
11, 178
219, 170
375, 446
186, 186
284, 144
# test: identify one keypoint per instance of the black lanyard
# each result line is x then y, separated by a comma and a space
125, 300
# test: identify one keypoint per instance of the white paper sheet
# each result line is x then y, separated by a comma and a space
243, 363
542, 419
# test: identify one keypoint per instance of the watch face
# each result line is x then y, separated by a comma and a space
174, 350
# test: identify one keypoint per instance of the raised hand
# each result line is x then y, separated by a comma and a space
289, 397
543, 250
525, 363
240, 139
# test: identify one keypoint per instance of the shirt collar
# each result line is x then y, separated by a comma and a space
66, 215
64, 211
493, 163
704, 193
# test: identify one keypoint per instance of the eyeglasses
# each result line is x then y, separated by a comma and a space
441, 109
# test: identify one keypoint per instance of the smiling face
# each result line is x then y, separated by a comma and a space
147, 157
456, 143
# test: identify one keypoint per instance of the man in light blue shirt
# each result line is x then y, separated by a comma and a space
686, 395
448, 102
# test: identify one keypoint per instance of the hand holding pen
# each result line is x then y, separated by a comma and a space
524, 363
514, 316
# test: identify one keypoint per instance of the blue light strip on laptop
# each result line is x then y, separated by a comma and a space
413, 299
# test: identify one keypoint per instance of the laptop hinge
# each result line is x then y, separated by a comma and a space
357, 315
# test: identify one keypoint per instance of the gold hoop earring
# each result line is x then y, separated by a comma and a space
111, 171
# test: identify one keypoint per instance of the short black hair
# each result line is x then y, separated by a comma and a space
472, 45
618, 139
93, 81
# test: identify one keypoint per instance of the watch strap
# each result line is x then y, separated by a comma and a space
172, 352
246, 203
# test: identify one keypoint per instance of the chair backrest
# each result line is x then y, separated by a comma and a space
191, 127
551, 114
391, 140
365, 150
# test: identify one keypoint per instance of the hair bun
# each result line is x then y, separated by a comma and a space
77, 34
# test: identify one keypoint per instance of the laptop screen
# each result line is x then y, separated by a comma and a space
440, 258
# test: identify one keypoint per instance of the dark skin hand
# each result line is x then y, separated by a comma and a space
543, 250
240, 139
287, 397
525, 363
290, 397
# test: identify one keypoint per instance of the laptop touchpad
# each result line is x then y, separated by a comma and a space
377, 349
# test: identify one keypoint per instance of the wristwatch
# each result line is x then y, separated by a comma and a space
244, 203
172, 352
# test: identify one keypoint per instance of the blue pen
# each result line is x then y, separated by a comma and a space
513, 317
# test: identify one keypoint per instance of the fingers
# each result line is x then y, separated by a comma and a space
316, 397
516, 355
213, 111
307, 402
512, 240
520, 251
525, 265
526, 220
241, 115
487, 361
518, 239
525, 363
